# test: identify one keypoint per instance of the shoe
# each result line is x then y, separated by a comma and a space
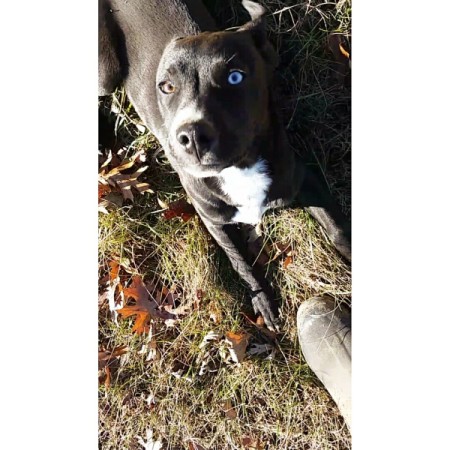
324, 332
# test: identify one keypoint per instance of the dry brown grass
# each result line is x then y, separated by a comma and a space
278, 400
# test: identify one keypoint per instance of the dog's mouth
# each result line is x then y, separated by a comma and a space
205, 170
209, 170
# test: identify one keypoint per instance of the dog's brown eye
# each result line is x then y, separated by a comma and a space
167, 87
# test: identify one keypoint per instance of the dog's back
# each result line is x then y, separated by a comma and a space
131, 34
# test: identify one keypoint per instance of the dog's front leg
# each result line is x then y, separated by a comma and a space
232, 242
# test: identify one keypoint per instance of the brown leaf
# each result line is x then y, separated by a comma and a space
180, 208
259, 324
281, 249
128, 181
106, 357
106, 361
251, 443
125, 165
124, 182
215, 313
227, 408
103, 189
238, 343
287, 261
145, 308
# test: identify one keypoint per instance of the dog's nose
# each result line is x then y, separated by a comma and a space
197, 137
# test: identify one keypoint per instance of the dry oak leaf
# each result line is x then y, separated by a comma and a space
145, 308
180, 208
105, 360
237, 345
105, 357
124, 182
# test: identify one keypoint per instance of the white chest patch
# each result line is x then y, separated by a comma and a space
247, 189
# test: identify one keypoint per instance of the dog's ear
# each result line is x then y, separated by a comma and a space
257, 28
109, 67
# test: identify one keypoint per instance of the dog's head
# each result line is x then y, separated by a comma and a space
213, 94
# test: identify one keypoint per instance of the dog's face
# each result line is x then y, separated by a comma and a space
213, 92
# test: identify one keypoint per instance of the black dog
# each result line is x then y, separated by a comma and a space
206, 96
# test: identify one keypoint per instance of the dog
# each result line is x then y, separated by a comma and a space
206, 95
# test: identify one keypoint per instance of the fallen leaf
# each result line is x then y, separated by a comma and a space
208, 364
251, 443
150, 444
180, 208
228, 409
107, 360
120, 168
211, 336
105, 357
237, 345
103, 189
151, 401
150, 347
287, 261
124, 182
259, 324
145, 308
215, 313
281, 249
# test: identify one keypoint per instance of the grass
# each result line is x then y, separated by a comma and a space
277, 400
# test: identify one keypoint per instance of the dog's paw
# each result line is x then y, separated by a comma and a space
263, 305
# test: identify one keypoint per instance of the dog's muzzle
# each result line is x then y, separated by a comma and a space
198, 139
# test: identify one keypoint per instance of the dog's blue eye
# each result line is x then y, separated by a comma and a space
235, 77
